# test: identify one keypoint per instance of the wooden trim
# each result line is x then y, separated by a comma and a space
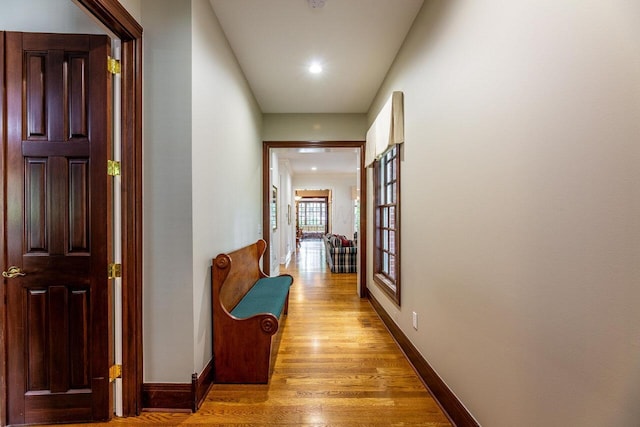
202, 384
448, 401
167, 397
180, 397
266, 228
116, 18
3, 242
132, 226
362, 232
266, 207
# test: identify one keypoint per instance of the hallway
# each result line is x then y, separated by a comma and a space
337, 365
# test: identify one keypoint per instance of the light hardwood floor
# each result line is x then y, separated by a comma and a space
337, 365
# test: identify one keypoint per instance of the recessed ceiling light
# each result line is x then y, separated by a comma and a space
314, 168
316, 3
312, 150
315, 68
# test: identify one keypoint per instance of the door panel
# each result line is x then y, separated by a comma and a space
36, 206
58, 97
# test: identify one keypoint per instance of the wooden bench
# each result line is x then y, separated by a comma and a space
247, 307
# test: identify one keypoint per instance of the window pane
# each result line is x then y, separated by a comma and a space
392, 217
385, 217
385, 239
393, 175
392, 267
392, 241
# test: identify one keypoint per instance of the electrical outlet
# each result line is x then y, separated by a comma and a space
415, 320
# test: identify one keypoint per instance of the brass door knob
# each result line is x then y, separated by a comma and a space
13, 272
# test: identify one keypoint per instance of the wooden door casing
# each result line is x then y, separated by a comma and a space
3, 295
113, 15
58, 136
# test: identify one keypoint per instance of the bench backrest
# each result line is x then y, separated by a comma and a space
236, 272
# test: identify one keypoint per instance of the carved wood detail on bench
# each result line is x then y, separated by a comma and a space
242, 347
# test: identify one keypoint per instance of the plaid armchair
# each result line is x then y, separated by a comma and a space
341, 259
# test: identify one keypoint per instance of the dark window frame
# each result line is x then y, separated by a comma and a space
386, 204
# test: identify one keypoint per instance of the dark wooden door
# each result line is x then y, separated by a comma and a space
58, 124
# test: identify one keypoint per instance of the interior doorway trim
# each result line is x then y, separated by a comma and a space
3, 244
117, 20
266, 226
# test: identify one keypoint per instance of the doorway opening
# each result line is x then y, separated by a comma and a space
312, 215
277, 236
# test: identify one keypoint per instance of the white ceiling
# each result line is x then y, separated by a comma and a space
325, 160
275, 41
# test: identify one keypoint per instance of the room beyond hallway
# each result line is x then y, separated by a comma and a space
336, 365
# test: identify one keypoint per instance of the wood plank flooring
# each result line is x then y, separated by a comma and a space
337, 365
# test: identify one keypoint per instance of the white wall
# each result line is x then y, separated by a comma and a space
203, 168
44, 16
314, 127
520, 206
287, 213
342, 221
168, 220
134, 7
227, 163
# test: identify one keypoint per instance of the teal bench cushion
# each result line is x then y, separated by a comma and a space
268, 295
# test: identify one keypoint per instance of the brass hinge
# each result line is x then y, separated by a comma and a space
115, 371
115, 270
113, 65
113, 167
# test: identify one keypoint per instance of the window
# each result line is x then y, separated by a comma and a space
387, 223
312, 217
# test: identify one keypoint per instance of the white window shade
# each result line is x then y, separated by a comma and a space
387, 129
